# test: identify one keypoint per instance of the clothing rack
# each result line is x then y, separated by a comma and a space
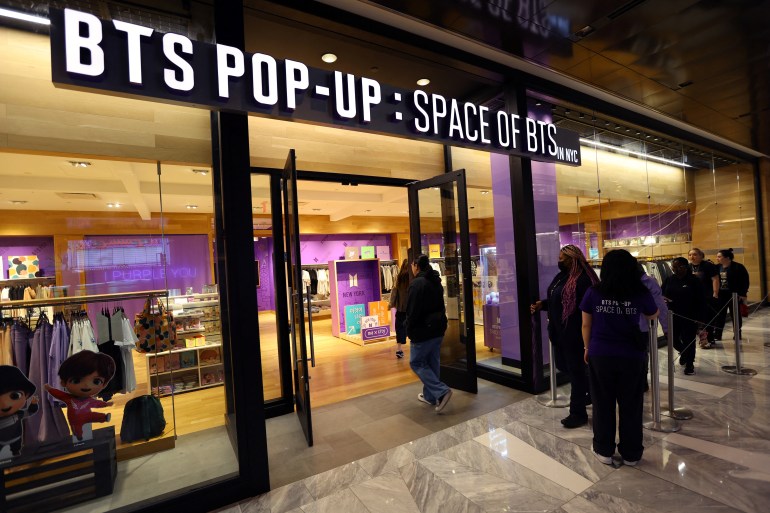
23, 281
94, 298
314, 266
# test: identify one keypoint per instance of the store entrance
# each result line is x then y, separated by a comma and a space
328, 250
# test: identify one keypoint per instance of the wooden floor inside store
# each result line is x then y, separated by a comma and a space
343, 370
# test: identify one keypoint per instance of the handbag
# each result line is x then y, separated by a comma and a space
744, 309
155, 331
143, 419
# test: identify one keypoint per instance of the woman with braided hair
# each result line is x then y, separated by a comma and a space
564, 327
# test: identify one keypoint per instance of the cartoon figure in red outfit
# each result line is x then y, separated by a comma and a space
15, 391
83, 375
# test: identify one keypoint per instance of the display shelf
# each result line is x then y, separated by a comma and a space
181, 369
190, 332
195, 373
210, 365
183, 349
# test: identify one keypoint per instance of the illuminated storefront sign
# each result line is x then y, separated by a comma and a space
138, 61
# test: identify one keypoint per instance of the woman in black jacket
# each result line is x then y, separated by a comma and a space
684, 294
733, 277
564, 327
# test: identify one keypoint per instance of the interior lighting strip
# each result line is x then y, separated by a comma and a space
631, 152
24, 17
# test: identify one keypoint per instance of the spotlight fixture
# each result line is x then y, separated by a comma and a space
113, 205
606, 123
423, 82
202, 172
191, 207
566, 112
329, 58
17, 202
484, 192
617, 127
79, 163
538, 103
582, 115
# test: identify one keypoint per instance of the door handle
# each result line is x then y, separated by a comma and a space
310, 329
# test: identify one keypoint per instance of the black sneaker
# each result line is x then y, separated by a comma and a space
689, 369
573, 421
399, 354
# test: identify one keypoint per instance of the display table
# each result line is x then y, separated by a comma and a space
60, 476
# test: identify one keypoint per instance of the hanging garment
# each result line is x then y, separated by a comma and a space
21, 340
49, 425
128, 345
6, 351
313, 281
82, 336
116, 384
103, 327
116, 325
60, 343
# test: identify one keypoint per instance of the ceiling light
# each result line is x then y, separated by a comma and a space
484, 192
113, 205
79, 163
316, 210
566, 111
23, 17
191, 207
631, 152
202, 172
538, 103
17, 202
423, 82
328, 58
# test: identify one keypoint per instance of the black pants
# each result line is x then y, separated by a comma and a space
401, 327
684, 339
725, 299
569, 359
617, 380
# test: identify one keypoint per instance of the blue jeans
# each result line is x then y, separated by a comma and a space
425, 361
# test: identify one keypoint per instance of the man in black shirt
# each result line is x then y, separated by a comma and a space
684, 295
708, 274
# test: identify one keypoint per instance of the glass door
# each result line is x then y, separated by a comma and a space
438, 219
296, 312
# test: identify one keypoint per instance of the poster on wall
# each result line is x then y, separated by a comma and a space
367, 251
353, 315
434, 250
20, 267
383, 252
352, 252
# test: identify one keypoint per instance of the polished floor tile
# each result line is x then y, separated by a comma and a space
501, 450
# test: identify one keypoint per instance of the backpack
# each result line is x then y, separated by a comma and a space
142, 419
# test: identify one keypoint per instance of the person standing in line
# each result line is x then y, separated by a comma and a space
708, 275
684, 294
564, 327
398, 296
615, 358
426, 323
733, 278
644, 326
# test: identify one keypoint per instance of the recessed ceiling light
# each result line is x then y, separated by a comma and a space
202, 172
538, 103
79, 163
191, 207
316, 210
17, 202
484, 192
113, 205
423, 82
328, 58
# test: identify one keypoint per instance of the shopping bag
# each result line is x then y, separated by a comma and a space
155, 331
744, 308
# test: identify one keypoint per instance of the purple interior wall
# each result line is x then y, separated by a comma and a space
573, 234
658, 224
437, 238
320, 249
23, 246
263, 253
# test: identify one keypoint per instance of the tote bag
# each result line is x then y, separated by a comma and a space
155, 331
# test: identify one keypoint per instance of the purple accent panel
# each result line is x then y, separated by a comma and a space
319, 249
658, 224
547, 230
131, 263
23, 246
436, 238
573, 234
263, 253
506, 261
358, 282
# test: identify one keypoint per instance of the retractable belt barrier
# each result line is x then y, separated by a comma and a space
667, 425
674, 413
738, 367
553, 399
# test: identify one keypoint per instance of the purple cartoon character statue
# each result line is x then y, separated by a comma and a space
15, 391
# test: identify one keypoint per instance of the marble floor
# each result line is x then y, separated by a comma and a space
518, 457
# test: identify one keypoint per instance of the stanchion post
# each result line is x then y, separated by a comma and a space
667, 425
674, 413
738, 367
554, 399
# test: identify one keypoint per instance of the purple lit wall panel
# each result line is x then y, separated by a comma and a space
573, 234
547, 230
23, 246
657, 224
506, 261
320, 249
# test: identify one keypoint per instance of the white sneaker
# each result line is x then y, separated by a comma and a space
422, 399
607, 460
630, 463
443, 401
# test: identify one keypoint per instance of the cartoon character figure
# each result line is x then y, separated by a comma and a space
15, 390
83, 375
